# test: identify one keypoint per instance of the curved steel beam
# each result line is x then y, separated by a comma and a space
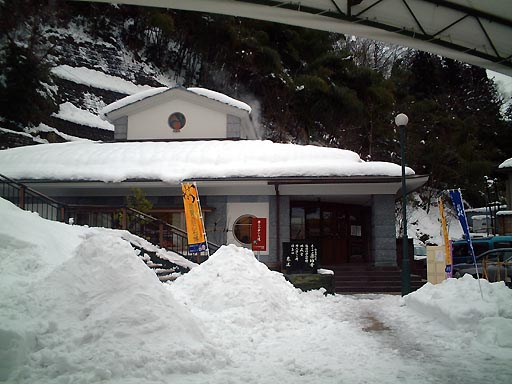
478, 32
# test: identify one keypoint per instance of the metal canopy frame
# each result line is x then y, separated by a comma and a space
478, 32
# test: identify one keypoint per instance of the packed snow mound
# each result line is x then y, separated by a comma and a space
104, 315
78, 305
30, 246
489, 317
232, 280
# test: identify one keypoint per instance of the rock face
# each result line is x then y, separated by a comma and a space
74, 48
13, 139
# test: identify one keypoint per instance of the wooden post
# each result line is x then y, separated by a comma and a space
161, 234
124, 218
22, 197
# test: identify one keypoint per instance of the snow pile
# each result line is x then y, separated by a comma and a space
97, 79
458, 304
85, 301
32, 247
233, 282
506, 164
69, 112
78, 305
174, 162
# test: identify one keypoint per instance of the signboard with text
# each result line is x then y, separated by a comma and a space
300, 256
259, 234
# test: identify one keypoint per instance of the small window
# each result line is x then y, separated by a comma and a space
242, 229
177, 121
356, 230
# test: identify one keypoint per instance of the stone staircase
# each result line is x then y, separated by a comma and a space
370, 279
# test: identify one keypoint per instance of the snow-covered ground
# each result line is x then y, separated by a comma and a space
79, 306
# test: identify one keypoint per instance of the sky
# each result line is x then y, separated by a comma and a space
504, 84
80, 306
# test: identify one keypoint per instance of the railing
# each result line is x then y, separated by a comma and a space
160, 232
139, 223
30, 200
497, 270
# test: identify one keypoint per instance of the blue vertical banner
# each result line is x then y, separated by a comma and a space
461, 214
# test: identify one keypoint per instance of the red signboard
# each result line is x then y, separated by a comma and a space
259, 234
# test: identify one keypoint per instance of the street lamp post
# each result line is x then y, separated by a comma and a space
401, 121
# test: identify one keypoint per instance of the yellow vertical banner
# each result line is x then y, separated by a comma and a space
193, 218
447, 250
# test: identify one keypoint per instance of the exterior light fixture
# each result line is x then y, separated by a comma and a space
401, 121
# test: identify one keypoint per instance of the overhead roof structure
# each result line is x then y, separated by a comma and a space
477, 32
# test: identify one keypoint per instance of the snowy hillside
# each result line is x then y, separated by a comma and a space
79, 306
89, 73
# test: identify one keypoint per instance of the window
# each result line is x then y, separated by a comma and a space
177, 121
298, 224
356, 230
479, 248
355, 226
242, 229
313, 224
502, 244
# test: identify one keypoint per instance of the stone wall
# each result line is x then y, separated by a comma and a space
383, 246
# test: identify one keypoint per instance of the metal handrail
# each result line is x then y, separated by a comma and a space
175, 238
152, 218
31, 190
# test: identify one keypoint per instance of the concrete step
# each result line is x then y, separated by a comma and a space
370, 279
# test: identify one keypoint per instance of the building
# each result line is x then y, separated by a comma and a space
325, 198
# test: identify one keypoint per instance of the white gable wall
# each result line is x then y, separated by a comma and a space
201, 122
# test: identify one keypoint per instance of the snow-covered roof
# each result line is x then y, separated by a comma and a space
221, 97
176, 161
146, 94
128, 100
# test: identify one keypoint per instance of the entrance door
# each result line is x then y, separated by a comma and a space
333, 237
340, 230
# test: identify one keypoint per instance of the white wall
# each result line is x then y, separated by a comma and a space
235, 210
201, 123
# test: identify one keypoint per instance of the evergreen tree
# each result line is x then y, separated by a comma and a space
26, 96
454, 120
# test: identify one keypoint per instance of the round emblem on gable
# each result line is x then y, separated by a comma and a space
177, 121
